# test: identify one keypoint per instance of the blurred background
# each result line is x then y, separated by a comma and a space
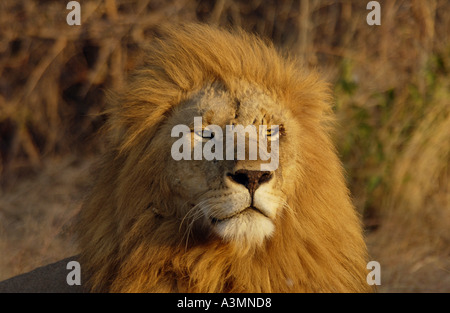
391, 87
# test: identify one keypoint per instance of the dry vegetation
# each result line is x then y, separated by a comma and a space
392, 90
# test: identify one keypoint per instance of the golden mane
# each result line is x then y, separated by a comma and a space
126, 247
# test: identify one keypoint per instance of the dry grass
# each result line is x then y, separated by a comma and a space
392, 90
36, 215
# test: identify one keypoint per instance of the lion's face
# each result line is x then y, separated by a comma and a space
162, 217
234, 199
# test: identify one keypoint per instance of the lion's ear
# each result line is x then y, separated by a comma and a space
310, 98
133, 116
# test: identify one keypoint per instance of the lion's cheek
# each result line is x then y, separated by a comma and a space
188, 185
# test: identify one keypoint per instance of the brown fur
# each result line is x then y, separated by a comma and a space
126, 247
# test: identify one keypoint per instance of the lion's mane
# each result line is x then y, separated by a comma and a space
126, 247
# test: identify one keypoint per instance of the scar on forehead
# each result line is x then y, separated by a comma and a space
238, 106
263, 119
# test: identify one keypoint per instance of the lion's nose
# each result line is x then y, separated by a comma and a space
251, 179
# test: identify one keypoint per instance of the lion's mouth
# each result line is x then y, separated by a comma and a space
216, 220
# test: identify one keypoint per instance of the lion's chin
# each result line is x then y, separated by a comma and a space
248, 227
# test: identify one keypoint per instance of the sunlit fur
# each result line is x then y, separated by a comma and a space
133, 240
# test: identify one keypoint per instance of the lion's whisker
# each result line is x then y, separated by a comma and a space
193, 214
191, 211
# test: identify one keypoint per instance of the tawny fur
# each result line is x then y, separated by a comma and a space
126, 247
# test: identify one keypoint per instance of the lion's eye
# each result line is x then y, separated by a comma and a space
204, 133
273, 133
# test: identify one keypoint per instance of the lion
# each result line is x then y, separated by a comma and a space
156, 224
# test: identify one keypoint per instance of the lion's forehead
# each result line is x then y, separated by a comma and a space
247, 105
